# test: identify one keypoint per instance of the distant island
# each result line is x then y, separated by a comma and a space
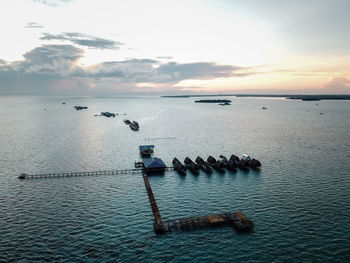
212, 101
292, 97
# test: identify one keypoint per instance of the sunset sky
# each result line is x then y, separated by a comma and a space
87, 47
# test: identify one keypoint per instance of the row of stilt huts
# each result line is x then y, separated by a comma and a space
232, 164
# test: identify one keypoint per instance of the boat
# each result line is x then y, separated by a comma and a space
135, 123
127, 121
178, 166
134, 127
80, 107
146, 150
108, 114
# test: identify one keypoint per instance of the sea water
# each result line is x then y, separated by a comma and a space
299, 201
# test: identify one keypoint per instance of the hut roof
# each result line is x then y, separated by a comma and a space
153, 163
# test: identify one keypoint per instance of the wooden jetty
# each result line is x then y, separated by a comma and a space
158, 222
76, 174
86, 173
235, 219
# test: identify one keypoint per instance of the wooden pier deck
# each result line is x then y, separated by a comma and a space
86, 173
158, 222
235, 219
75, 174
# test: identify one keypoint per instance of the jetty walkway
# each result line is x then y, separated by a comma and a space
86, 173
235, 219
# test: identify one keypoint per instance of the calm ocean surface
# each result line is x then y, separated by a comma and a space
299, 201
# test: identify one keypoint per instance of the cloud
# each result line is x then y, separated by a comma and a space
199, 70
165, 57
53, 2
55, 69
338, 84
84, 40
51, 59
33, 25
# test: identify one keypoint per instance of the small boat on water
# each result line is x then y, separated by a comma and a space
178, 166
80, 107
108, 114
134, 125
146, 150
127, 121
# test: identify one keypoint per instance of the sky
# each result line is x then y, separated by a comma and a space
107, 47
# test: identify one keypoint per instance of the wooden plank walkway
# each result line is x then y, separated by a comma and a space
86, 173
235, 219
158, 222
75, 174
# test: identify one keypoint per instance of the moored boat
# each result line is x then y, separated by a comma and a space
108, 114
80, 107
134, 127
146, 150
